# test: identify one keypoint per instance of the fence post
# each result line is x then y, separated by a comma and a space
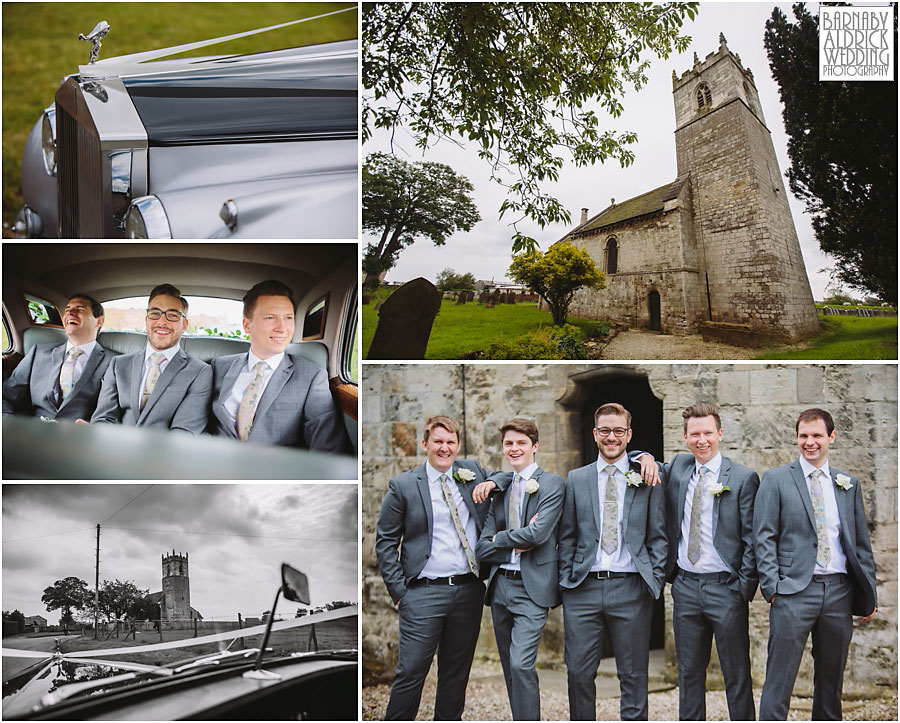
240, 622
195, 627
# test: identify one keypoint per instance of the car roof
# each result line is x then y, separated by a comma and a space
221, 270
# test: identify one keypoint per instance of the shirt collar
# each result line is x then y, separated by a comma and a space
528, 472
434, 474
714, 465
272, 361
168, 353
620, 464
86, 348
808, 468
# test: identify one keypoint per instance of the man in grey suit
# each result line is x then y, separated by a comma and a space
816, 569
612, 557
519, 540
159, 386
62, 381
711, 565
267, 396
425, 541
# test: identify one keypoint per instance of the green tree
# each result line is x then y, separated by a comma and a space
66, 595
405, 201
556, 275
118, 598
449, 280
17, 616
513, 78
843, 150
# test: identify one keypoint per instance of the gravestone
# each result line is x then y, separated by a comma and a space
470, 296
461, 298
405, 320
511, 298
484, 297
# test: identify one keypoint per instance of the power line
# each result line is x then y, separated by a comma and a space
51, 534
126, 505
234, 534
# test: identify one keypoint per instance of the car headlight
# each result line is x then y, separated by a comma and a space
28, 224
146, 218
48, 140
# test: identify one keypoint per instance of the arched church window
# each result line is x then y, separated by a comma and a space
611, 256
704, 97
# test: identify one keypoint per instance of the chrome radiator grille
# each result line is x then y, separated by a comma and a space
80, 177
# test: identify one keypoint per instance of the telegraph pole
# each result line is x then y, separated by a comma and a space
97, 584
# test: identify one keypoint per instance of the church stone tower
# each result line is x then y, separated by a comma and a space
176, 587
751, 271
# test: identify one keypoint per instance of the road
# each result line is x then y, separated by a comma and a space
12, 666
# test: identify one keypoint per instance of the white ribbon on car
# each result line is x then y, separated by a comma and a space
130, 64
348, 611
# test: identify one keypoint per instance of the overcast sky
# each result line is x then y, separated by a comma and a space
485, 251
49, 533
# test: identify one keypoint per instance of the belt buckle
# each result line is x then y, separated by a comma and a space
450, 581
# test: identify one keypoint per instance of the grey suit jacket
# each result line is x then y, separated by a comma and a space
732, 519
644, 529
540, 573
180, 399
33, 387
296, 408
785, 531
406, 523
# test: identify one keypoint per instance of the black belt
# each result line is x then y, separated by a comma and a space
831, 577
514, 574
607, 574
452, 580
719, 576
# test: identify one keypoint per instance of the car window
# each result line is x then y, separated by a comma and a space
7, 336
350, 341
207, 316
314, 320
42, 312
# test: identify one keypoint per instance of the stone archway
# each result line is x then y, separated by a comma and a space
630, 388
655, 310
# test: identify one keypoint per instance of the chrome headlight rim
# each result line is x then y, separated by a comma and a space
146, 219
48, 140
28, 223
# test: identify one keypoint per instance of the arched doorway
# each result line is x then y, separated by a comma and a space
631, 389
655, 314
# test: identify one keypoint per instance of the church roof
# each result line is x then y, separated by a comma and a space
632, 208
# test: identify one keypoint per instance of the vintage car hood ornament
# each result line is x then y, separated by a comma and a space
95, 36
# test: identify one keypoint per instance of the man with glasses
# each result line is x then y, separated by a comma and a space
62, 381
159, 386
612, 556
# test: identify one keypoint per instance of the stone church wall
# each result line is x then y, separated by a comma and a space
759, 404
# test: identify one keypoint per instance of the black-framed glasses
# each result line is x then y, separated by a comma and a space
604, 431
171, 314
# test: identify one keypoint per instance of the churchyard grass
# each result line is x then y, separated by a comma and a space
40, 46
462, 328
848, 337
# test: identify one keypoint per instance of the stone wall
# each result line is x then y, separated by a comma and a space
759, 404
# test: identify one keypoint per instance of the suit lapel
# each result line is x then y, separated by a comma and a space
422, 485
89, 368
228, 383
530, 506
279, 378
594, 492
629, 498
724, 473
175, 365
800, 481
845, 513
684, 479
466, 493
137, 371
57, 356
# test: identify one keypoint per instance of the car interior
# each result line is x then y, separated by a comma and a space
323, 277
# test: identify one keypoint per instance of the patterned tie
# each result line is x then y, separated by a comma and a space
67, 373
515, 503
454, 515
693, 550
609, 535
244, 421
156, 358
817, 496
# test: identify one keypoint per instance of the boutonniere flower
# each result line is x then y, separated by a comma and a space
463, 475
633, 478
717, 489
843, 481
531, 486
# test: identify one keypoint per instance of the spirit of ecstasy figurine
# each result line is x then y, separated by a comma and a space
95, 36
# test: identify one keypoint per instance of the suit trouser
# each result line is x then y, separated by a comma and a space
620, 608
518, 624
705, 606
442, 618
823, 609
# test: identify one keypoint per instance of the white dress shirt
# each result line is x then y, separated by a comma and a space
80, 362
838, 562
447, 555
709, 560
168, 353
248, 373
620, 560
525, 474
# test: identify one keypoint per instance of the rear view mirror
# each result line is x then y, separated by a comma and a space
294, 584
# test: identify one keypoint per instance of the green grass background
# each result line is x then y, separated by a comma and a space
41, 46
849, 337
